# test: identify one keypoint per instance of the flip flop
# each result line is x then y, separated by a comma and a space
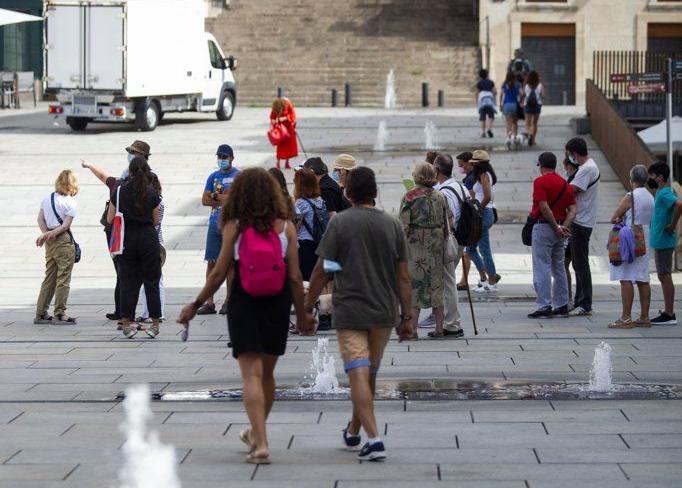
251, 459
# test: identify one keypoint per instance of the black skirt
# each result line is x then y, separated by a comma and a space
258, 325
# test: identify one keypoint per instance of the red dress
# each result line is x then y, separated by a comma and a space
288, 149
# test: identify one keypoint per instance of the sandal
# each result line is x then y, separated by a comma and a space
642, 323
64, 320
436, 335
253, 459
462, 287
43, 319
622, 324
245, 437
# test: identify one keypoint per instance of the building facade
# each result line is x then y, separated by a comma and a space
559, 37
21, 45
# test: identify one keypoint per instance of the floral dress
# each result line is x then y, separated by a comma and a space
425, 213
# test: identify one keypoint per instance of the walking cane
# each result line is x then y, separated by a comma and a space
471, 305
302, 147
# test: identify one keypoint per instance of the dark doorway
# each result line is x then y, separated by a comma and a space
550, 48
664, 38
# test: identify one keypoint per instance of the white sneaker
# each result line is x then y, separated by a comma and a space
517, 142
428, 323
485, 287
579, 312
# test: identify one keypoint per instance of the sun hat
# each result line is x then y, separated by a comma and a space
345, 161
480, 155
139, 147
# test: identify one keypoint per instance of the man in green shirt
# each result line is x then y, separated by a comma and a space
365, 251
662, 239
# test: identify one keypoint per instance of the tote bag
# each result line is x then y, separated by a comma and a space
278, 134
117, 228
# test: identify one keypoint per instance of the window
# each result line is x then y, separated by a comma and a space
217, 60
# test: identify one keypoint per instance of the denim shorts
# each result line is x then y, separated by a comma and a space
214, 240
509, 109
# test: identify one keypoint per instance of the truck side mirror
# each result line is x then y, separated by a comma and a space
231, 62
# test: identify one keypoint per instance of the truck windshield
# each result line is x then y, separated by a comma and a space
217, 60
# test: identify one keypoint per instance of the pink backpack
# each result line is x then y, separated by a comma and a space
262, 269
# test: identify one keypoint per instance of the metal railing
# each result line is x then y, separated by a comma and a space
616, 138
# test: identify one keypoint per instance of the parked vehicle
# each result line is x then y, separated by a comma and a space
133, 60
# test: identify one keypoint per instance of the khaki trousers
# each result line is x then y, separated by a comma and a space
452, 320
60, 255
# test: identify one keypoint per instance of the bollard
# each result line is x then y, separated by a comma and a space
335, 97
441, 98
425, 94
347, 93
280, 92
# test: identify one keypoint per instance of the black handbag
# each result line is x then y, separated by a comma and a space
527, 231
61, 222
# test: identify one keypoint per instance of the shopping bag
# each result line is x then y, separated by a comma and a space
117, 229
278, 134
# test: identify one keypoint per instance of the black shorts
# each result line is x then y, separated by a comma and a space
258, 325
486, 112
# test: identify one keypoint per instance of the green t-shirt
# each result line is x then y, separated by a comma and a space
664, 206
368, 244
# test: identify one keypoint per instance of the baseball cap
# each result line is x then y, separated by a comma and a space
225, 150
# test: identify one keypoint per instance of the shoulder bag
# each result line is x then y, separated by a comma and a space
117, 228
61, 222
527, 231
637, 230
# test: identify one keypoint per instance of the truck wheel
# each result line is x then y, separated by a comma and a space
77, 123
147, 116
226, 106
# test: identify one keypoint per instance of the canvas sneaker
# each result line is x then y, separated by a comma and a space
561, 311
485, 287
490, 133
428, 323
152, 331
129, 332
372, 452
664, 319
352, 442
579, 312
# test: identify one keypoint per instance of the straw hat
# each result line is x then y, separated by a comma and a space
345, 161
479, 155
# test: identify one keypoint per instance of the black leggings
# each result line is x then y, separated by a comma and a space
307, 258
140, 264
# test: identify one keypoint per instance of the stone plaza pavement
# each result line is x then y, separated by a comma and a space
60, 408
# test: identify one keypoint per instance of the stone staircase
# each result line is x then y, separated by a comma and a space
309, 47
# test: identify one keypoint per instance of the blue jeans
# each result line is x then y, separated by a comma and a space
484, 260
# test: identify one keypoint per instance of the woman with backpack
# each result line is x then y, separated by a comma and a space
532, 106
57, 212
312, 218
483, 191
510, 96
259, 242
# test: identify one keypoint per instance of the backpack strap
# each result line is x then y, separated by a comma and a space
561, 194
593, 183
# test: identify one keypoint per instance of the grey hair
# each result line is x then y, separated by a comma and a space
639, 174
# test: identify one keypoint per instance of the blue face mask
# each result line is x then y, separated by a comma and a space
335, 176
131, 157
224, 164
572, 159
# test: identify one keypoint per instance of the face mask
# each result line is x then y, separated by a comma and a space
131, 157
572, 159
651, 183
335, 176
224, 164
461, 170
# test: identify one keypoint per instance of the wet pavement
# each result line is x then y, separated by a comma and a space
468, 412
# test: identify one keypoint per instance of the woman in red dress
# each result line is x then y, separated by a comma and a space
283, 112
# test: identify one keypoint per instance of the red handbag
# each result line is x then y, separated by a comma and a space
278, 134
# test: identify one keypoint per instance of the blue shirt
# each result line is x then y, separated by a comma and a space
511, 94
220, 181
664, 206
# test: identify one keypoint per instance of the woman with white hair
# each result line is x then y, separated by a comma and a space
639, 203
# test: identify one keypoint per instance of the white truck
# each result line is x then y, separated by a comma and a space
133, 61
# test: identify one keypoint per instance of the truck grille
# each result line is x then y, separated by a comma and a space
84, 100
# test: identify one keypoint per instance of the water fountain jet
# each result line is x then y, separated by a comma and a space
602, 369
430, 133
382, 136
390, 98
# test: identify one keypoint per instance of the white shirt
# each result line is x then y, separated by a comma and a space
587, 200
453, 203
65, 205
478, 191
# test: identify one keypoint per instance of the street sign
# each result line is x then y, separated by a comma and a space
637, 77
650, 88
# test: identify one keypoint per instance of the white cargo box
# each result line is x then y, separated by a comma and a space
131, 48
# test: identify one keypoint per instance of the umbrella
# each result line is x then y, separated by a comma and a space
11, 17
655, 136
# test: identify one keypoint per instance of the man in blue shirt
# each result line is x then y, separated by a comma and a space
662, 239
215, 196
